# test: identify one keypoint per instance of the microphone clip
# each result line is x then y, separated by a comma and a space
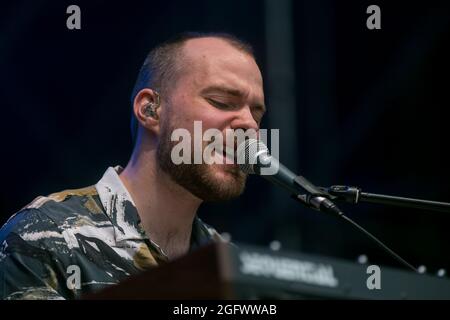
315, 198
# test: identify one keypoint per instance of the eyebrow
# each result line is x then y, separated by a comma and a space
229, 91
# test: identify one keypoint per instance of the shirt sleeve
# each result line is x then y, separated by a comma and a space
31, 259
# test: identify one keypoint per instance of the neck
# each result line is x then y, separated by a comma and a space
166, 209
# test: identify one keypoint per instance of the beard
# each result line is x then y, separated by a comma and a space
209, 182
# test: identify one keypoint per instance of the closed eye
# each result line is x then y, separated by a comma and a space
220, 105
257, 112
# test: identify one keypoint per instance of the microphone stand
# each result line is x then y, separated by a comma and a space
355, 195
320, 199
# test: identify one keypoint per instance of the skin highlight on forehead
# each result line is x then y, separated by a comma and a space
213, 62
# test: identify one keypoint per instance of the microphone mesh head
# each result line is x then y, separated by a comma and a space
248, 153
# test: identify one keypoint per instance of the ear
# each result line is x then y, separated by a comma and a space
142, 100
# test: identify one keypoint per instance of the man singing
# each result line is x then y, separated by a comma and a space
143, 215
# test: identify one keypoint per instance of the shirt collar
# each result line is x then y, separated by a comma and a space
119, 206
121, 209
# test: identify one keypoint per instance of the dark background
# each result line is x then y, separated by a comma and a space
354, 106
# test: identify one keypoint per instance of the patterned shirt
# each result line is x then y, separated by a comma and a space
79, 241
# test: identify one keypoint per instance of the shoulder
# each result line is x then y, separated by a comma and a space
61, 205
29, 224
42, 222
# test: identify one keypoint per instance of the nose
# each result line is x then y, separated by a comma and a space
244, 120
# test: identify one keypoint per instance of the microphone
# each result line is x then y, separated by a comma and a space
254, 158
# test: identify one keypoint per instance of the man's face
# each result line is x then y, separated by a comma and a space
221, 87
